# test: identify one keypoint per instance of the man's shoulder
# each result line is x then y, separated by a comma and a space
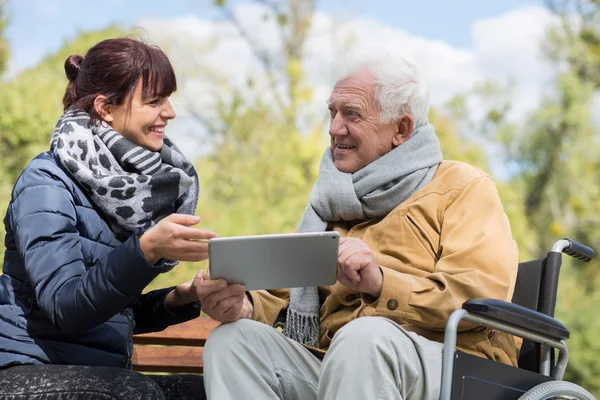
453, 175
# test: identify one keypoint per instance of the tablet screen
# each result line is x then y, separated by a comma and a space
275, 261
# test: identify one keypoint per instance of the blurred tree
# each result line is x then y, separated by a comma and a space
264, 156
283, 71
265, 145
578, 310
5, 182
562, 155
575, 43
553, 160
3, 43
489, 146
576, 40
30, 105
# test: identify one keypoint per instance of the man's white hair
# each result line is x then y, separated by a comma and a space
400, 89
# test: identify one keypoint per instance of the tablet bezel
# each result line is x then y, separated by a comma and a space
276, 261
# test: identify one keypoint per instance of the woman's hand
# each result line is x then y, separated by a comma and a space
173, 238
184, 293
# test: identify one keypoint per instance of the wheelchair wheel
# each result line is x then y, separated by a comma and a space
557, 390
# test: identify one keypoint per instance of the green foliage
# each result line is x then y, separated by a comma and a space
456, 146
577, 40
265, 153
259, 175
3, 43
30, 105
570, 156
578, 311
257, 180
553, 191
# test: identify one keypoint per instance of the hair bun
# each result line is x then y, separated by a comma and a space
72, 66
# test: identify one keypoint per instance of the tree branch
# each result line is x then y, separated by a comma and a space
261, 55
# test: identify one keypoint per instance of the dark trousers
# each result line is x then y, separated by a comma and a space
69, 382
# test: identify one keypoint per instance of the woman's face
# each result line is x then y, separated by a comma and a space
143, 122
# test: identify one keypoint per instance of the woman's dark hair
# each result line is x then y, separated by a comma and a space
113, 68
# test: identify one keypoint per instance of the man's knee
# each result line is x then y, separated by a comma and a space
228, 337
370, 333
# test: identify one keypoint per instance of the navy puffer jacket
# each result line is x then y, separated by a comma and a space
70, 289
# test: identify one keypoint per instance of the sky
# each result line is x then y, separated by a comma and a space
40, 26
456, 44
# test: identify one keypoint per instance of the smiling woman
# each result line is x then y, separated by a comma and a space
142, 121
90, 224
140, 113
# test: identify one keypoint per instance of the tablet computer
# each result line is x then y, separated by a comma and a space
275, 261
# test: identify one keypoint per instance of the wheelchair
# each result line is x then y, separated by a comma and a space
529, 316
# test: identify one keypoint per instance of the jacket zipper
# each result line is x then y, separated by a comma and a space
424, 237
129, 336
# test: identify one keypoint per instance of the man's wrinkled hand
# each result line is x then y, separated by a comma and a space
357, 267
223, 302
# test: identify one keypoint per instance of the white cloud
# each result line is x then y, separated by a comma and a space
506, 47
509, 47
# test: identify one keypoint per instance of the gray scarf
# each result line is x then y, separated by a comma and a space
134, 187
371, 192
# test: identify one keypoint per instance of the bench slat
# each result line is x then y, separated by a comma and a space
167, 359
190, 333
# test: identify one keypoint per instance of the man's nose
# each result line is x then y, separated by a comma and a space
337, 126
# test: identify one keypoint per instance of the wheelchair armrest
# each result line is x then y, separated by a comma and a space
519, 316
578, 250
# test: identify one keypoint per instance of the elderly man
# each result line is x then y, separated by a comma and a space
420, 235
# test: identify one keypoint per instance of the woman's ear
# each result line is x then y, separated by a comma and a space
404, 126
103, 109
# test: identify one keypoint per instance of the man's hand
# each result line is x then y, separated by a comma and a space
223, 302
357, 267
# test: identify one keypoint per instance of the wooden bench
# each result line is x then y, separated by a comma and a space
175, 349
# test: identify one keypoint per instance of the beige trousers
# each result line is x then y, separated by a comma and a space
370, 358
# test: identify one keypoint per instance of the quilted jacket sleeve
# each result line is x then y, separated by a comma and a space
43, 217
152, 315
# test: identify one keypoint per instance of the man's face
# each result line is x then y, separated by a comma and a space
357, 136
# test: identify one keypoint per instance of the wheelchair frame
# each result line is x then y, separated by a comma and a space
515, 324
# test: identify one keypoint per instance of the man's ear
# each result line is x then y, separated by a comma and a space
404, 128
103, 109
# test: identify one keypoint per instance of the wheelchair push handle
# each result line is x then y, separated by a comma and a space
574, 249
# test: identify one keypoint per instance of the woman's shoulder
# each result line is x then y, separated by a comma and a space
43, 170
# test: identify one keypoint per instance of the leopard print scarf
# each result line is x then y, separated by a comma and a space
134, 187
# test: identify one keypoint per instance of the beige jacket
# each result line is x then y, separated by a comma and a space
449, 242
